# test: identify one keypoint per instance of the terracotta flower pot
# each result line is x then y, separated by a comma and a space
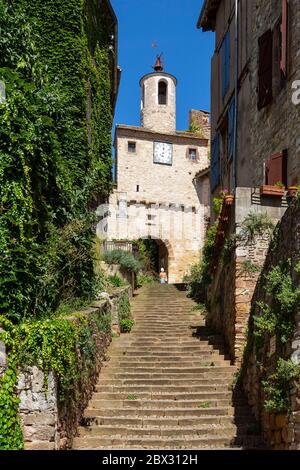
292, 191
229, 198
269, 190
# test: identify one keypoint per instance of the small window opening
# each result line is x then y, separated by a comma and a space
131, 147
193, 155
162, 92
137, 188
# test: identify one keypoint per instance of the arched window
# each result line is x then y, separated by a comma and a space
162, 92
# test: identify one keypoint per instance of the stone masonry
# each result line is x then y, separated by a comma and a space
157, 194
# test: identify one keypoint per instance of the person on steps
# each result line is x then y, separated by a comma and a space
163, 276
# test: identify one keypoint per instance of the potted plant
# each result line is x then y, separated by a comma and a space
272, 190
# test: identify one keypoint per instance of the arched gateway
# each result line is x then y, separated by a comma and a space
157, 192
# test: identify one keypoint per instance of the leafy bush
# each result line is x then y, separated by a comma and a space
116, 281
278, 317
144, 279
199, 276
124, 258
279, 384
255, 224
126, 325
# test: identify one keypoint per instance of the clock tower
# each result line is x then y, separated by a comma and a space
158, 100
158, 192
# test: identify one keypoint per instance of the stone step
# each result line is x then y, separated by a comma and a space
136, 363
164, 404
200, 442
221, 379
122, 352
229, 430
163, 389
121, 395
160, 413
165, 422
148, 371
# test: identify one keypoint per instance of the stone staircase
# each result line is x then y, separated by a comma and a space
167, 384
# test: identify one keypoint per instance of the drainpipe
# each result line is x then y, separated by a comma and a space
236, 78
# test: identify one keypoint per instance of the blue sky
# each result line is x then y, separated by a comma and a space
171, 24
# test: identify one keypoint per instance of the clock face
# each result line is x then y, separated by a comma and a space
163, 153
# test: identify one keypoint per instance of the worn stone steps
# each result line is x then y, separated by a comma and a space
189, 432
165, 422
167, 384
168, 412
200, 442
175, 396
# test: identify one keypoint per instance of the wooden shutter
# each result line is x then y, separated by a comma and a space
215, 163
265, 69
284, 37
276, 168
231, 123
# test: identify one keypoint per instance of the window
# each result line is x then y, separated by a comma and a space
215, 163
265, 69
162, 92
225, 58
276, 169
137, 188
193, 155
131, 147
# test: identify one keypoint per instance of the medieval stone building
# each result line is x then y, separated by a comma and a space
255, 140
157, 195
256, 158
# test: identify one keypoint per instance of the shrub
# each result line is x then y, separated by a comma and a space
124, 258
144, 279
255, 224
126, 325
116, 281
278, 386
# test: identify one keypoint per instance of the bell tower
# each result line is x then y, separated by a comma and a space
158, 103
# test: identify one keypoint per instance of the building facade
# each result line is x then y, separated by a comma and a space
156, 194
255, 138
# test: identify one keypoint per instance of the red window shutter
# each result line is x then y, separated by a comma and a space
265, 70
283, 58
276, 168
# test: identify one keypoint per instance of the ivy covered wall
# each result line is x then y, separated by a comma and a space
55, 149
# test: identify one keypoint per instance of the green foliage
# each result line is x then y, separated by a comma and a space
255, 224
126, 325
200, 273
131, 396
279, 317
196, 128
144, 279
124, 258
54, 159
279, 184
248, 268
116, 281
217, 203
278, 386
228, 248
67, 347
124, 307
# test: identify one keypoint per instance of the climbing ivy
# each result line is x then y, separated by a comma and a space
55, 152
55, 166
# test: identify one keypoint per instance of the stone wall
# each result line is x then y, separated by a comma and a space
281, 431
232, 287
48, 421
